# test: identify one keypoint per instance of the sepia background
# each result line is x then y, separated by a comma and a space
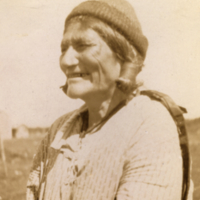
30, 76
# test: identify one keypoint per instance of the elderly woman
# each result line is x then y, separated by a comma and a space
119, 145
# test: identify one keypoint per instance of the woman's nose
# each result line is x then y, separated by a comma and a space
69, 58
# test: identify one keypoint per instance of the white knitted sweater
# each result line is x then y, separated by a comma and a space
134, 156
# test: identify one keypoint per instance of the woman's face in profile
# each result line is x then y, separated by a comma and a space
90, 65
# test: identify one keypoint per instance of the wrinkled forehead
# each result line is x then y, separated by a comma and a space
78, 32
73, 28
76, 22
83, 25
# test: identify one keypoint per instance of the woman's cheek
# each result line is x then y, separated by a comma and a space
90, 61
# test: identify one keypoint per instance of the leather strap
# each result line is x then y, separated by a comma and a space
177, 115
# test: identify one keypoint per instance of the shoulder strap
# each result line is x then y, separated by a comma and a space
177, 115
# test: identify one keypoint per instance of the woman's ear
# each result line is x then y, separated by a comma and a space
127, 80
129, 70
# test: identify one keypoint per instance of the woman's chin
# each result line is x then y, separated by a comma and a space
72, 94
75, 93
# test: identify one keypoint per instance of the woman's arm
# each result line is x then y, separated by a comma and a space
40, 159
153, 167
36, 170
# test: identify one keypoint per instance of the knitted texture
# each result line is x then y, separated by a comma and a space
118, 14
136, 155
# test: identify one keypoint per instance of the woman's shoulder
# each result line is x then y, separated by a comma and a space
148, 107
154, 117
58, 123
152, 114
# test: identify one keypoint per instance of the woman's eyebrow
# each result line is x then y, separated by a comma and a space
65, 43
75, 41
79, 40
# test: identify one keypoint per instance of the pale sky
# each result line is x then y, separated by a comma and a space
30, 36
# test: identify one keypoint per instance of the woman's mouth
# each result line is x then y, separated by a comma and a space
76, 75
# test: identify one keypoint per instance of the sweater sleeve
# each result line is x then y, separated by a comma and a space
39, 161
36, 170
153, 164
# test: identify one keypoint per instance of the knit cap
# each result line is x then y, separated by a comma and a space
120, 15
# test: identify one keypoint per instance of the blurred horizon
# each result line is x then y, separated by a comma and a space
30, 76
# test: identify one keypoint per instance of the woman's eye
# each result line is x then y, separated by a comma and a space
78, 47
64, 49
82, 46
